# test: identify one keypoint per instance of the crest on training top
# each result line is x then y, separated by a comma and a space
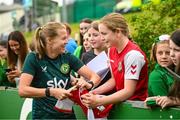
119, 66
65, 68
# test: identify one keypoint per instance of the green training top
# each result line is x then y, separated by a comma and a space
52, 73
160, 80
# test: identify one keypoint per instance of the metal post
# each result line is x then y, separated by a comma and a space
64, 11
34, 10
26, 20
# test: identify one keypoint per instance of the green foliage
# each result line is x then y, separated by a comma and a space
154, 21
29, 36
75, 29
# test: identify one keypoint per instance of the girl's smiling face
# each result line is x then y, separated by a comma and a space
14, 46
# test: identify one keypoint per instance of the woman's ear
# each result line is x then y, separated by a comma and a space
118, 30
49, 41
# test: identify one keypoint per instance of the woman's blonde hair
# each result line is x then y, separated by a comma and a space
49, 30
114, 21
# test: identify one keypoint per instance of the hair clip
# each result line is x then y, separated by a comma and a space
40, 28
162, 38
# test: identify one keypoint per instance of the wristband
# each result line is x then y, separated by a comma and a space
90, 82
47, 92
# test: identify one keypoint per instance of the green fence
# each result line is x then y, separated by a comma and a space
89, 9
14, 107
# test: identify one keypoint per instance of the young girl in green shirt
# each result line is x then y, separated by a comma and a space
159, 79
173, 97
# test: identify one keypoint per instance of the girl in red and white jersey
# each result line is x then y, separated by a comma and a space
128, 65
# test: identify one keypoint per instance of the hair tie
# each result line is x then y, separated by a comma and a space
41, 28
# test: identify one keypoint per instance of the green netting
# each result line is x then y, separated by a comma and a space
89, 9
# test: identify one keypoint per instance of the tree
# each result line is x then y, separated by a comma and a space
154, 21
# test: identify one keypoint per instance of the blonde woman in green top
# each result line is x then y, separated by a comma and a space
160, 80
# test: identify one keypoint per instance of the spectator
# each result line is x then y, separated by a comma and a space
160, 80
71, 45
173, 97
86, 42
98, 46
84, 24
17, 51
128, 65
3, 65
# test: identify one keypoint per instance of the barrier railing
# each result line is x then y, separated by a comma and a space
14, 107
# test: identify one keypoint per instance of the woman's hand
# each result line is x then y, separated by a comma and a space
151, 98
164, 101
60, 93
91, 100
81, 83
12, 74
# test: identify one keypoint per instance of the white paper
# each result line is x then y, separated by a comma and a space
65, 104
99, 65
90, 115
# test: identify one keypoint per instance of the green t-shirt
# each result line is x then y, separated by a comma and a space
160, 80
53, 73
3, 77
77, 52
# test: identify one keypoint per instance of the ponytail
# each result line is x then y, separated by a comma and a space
40, 42
49, 30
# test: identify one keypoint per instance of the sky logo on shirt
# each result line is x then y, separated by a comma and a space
57, 83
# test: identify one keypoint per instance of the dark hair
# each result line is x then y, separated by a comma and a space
12, 57
175, 88
85, 20
175, 37
174, 91
3, 43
